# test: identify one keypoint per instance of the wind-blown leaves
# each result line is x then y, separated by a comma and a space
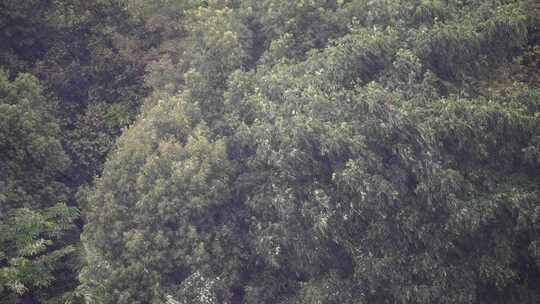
379, 158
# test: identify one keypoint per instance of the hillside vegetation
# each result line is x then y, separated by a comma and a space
270, 151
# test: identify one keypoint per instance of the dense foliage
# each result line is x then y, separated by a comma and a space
319, 152
70, 79
314, 151
33, 213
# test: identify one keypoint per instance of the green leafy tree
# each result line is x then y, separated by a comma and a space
33, 253
389, 155
34, 220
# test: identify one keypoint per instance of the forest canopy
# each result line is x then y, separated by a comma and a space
270, 151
